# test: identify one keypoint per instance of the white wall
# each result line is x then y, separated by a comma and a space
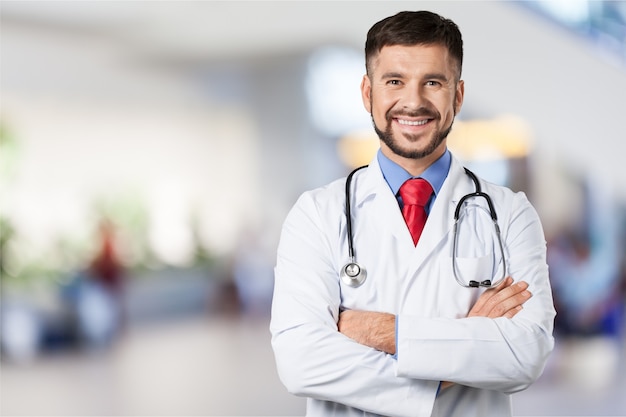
133, 81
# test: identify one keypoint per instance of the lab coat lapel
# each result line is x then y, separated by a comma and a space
384, 206
441, 217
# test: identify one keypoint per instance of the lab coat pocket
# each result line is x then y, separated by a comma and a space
477, 268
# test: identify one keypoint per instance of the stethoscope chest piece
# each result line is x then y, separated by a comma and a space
353, 274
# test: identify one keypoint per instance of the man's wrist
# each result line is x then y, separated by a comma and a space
384, 333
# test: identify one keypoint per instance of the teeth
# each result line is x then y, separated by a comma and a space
412, 123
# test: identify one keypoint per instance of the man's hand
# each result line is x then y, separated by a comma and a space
370, 328
505, 300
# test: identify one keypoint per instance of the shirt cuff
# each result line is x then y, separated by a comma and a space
395, 355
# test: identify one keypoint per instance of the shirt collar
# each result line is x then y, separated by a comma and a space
435, 174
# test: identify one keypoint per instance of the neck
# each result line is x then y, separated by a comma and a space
414, 166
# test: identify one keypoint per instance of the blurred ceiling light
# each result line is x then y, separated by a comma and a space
502, 137
358, 147
570, 11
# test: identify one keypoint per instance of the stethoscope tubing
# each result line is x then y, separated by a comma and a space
349, 213
353, 274
494, 217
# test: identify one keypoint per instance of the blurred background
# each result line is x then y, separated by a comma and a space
149, 152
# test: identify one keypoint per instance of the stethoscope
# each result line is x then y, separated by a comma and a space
353, 274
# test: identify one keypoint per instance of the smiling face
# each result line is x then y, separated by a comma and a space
413, 94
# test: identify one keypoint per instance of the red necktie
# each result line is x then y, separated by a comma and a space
415, 193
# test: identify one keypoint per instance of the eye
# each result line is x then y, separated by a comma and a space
394, 82
433, 83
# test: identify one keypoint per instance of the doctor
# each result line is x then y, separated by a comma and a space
409, 340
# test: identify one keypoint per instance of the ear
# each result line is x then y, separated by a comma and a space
366, 93
459, 94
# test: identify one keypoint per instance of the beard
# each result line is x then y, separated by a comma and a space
389, 139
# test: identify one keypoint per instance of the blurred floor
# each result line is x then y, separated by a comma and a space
223, 365
584, 377
194, 367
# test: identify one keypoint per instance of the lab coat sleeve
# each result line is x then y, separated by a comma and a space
499, 354
315, 360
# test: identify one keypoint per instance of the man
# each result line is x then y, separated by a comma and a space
409, 340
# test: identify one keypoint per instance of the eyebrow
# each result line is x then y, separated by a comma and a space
436, 76
389, 75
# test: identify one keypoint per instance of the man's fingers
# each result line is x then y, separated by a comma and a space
512, 312
506, 299
501, 301
487, 295
510, 306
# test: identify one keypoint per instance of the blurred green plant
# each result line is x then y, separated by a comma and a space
23, 266
8, 153
20, 267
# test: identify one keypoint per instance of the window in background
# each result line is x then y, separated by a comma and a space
599, 21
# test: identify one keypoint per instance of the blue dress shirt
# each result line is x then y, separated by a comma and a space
435, 174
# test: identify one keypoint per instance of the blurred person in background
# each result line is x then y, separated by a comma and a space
106, 268
586, 273
587, 286
405, 339
96, 294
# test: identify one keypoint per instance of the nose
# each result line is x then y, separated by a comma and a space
414, 97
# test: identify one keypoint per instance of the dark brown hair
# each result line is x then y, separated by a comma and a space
414, 28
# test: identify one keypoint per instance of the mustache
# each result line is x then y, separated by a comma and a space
419, 112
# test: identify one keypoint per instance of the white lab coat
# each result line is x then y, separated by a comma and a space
488, 359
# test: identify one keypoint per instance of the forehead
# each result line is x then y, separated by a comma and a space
413, 59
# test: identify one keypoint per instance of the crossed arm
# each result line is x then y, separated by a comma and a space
378, 330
